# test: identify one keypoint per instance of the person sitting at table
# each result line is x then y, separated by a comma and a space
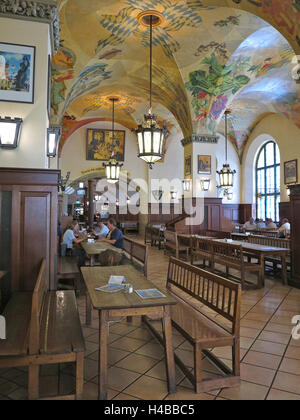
101, 230
270, 224
260, 224
250, 225
116, 236
285, 229
70, 239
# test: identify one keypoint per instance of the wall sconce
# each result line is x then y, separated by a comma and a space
81, 185
97, 197
205, 184
10, 131
288, 191
174, 195
228, 195
53, 136
187, 185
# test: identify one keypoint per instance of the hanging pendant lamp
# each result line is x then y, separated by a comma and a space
226, 174
150, 136
112, 168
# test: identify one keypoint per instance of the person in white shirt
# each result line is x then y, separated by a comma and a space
285, 229
70, 239
250, 225
101, 230
270, 224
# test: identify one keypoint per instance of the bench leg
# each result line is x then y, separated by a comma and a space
227, 272
236, 365
198, 367
169, 351
243, 278
33, 382
88, 309
79, 375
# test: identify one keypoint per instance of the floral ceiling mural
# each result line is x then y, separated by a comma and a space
208, 55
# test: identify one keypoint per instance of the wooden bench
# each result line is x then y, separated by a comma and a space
171, 243
218, 234
129, 227
68, 270
43, 328
201, 297
201, 250
270, 241
137, 253
185, 245
232, 256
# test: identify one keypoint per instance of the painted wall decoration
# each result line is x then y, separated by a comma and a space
17, 67
236, 59
204, 164
100, 145
188, 166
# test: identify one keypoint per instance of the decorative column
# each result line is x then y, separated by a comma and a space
295, 235
91, 190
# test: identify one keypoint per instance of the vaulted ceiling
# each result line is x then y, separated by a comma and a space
205, 58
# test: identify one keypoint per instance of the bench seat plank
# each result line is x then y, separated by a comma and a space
199, 328
60, 328
17, 314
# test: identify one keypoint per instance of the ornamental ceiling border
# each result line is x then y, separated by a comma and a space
36, 11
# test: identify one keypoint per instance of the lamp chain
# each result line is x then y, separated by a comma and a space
151, 36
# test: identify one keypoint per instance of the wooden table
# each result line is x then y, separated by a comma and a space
94, 249
263, 251
239, 236
121, 304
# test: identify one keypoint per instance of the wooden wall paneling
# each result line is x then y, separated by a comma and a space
295, 235
285, 210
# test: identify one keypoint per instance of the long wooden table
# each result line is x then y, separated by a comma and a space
115, 305
263, 251
94, 249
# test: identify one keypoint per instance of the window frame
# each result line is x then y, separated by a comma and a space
265, 168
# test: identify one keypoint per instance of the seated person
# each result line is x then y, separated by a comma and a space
250, 225
70, 239
285, 229
260, 224
116, 236
101, 230
270, 224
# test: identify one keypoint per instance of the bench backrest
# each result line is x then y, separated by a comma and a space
266, 232
171, 237
218, 294
218, 234
227, 251
201, 244
38, 297
184, 240
137, 252
269, 241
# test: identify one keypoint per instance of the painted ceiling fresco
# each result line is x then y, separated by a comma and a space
205, 58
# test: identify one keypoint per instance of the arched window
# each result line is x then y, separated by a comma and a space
268, 182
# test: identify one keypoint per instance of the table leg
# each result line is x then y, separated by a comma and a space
92, 260
167, 324
88, 309
103, 361
284, 269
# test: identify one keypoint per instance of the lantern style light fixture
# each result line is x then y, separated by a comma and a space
226, 174
53, 136
10, 131
150, 136
112, 168
205, 184
81, 185
174, 195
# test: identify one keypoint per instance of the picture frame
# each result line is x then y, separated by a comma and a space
49, 86
291, 172
17, 73
188, 166
204, 164
100, 147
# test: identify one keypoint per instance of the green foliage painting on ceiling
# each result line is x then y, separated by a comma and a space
210, 89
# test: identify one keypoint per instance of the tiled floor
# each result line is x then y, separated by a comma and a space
270, 357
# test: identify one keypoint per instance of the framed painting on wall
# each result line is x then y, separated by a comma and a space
291, 172
204, 164
100, 145
17, 67
188, 166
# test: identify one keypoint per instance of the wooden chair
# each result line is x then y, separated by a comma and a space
232, 256
201, 296
43, 328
